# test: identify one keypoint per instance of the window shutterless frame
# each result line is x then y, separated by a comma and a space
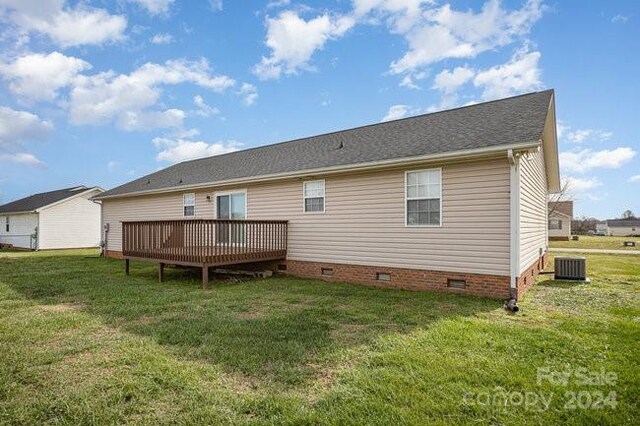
188, 203
304, 196
406, 198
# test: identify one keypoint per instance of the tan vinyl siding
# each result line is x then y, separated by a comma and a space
364, 219
533, 208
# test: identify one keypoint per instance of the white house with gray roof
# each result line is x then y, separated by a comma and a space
64, 218
451, 201
623, 227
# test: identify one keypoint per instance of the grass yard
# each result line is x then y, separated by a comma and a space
593, 242
80, 343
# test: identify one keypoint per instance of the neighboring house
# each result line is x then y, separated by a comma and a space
560, 216
66, 218
623, 227
602, 228
452, 201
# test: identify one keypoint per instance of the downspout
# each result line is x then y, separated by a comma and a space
103, 229
514, 224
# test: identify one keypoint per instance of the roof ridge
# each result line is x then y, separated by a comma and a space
361, 127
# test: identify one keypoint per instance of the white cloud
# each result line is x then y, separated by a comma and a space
635, 178
23, 158
449, 81
578, 185
620, 19
39, 77
204, 110
521, 74
123, 98
396, 112
432, 33
113, 165
587, 159
148, 120
442, 33
293, 41
580, 135
163, 38
216, 5
249, 93
409, 80
176, 150
66, 26
155, 7
19, 126
278, 3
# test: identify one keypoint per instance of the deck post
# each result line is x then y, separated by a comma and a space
160, 272
126, 266
205, 277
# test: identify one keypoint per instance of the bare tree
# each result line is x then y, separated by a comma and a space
583, 225
564, 195
628, 214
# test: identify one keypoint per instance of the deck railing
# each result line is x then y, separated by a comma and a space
205, 241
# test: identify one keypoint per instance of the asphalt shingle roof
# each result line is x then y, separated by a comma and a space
618, 223
564, 207
42, 199
508, 121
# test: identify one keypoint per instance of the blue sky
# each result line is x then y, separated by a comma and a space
101, 92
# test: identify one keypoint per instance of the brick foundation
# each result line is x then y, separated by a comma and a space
559, 238
495, 286
113, 254
528, 277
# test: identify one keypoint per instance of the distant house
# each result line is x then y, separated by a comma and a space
623, 227
452, 201
602, 228
65, 218
560, 216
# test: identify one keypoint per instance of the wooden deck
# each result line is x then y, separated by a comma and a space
204, 243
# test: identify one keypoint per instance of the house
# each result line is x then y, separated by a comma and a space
450, 201
601, 228
623, 227
65, 218
560, 217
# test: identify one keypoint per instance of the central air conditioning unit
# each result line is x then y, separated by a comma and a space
570, 268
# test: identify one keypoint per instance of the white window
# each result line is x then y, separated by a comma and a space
7, 224
424, 197
314, 196
189, 204
555, 224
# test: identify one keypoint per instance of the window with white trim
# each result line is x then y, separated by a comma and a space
555, 224
424, 197
314, 196
7, 223
189, 204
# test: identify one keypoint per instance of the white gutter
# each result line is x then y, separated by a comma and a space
456, 155
514, 222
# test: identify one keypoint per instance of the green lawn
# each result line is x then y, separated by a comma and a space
15, 253
80, 343
593, 242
